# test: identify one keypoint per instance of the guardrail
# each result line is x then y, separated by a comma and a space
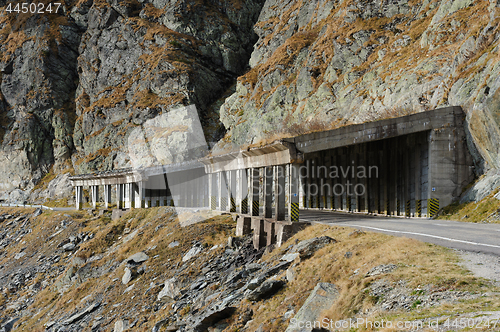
43, 207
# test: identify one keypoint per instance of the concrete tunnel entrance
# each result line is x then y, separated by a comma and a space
389, 176
407, 166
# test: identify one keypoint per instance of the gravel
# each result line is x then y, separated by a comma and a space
482, 265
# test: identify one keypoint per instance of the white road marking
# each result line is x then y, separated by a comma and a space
440, 225
428, 235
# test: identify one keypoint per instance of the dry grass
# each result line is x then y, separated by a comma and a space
418, 263
487, 210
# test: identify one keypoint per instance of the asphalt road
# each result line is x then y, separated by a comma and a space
473, 237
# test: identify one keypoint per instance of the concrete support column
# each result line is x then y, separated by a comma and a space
212, 190
119, 196
334, 181
219, 191
322, 173
230, 191
79, 197
254, 192
239, 190
279, 192
293, 182
94, 192
132, 195
268, 192
364, 180
304, 185
417, 180
107, 195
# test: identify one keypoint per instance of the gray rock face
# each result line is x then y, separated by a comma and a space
73, 89
322, 297
482, 188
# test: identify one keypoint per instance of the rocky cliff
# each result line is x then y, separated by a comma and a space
75, 84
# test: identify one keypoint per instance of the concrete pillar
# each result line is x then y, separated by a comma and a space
293, 182
230, 191
417, 173
132, 189
305, 182
268, 192
385, 179
94, 191
142, 194
279, 192
364, 180
334, 180
79, 197
239, 190
119, 201
107, 195
212, 190
254, 192
322, 170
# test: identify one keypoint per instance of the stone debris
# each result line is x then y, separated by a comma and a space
381, 269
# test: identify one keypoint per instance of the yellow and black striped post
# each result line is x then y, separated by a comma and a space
304, 202
324, 202
295, 212
398, 207
332, 202
432, 207
387, 208
318, 202
255, 208
311, 201
223, 204
213, 202
244, 206
348, 202
143, 203
233, 205
407, 209
419, 208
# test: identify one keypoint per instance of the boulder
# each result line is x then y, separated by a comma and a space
265, 290
307, 248
170, 290
193, 252
127, 276
321, 298
69, 246
121, 325
137, 258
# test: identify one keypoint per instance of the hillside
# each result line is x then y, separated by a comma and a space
148, 272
